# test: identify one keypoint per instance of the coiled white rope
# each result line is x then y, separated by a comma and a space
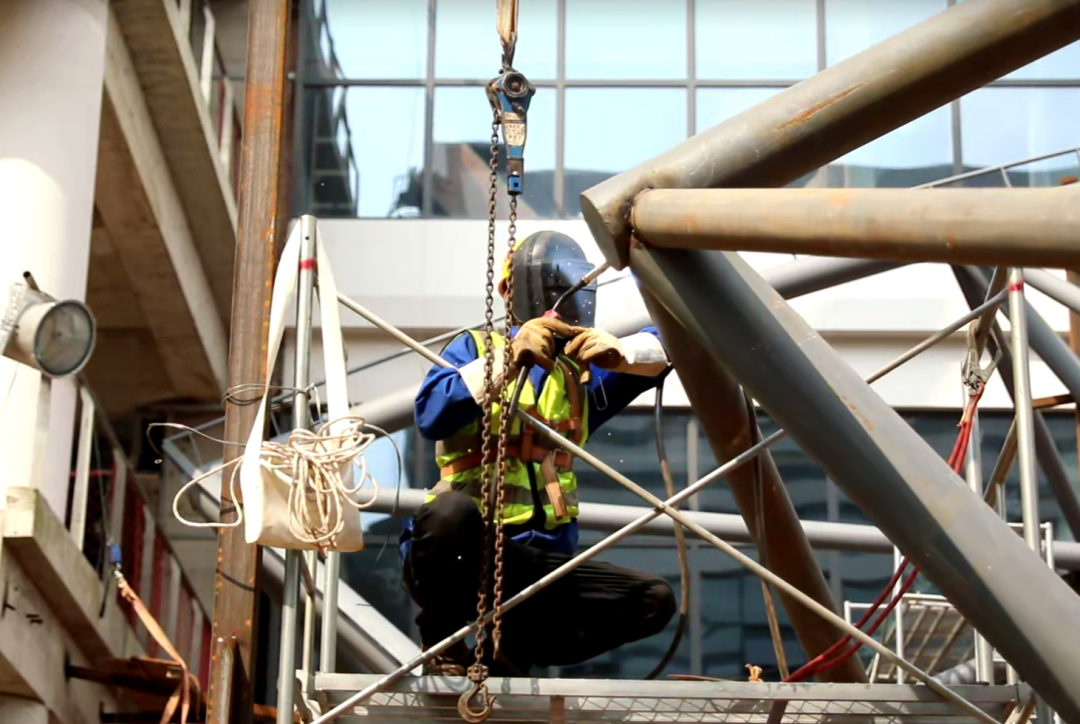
316, 465
314, 462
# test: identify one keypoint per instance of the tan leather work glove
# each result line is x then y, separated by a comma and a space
639, 354
534, 343
596, 347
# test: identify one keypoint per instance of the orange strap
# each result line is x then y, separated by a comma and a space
536, 454
182, 696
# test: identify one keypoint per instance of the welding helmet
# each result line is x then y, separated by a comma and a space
546, 265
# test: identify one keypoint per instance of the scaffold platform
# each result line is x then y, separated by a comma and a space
565, 701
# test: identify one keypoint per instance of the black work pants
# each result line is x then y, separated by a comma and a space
593, 609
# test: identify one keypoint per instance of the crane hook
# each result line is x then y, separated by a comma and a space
465, 701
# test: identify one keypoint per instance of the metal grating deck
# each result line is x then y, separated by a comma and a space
564, 701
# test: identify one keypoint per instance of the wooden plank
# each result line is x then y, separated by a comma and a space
206, 67
172, 613
119, 497
82, 468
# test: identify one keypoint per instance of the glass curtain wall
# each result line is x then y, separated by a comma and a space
396, 122
728, 627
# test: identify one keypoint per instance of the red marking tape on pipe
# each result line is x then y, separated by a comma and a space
1016, 287
307, 264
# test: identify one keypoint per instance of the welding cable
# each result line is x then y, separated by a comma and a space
680, 534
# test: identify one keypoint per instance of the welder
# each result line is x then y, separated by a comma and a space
579, 378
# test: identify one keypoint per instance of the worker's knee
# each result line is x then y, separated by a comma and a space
659, 606
450, 516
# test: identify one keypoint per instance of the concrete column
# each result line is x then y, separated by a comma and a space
52, 61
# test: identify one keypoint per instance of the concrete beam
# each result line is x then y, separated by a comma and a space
51, 614
146, 224
168, 73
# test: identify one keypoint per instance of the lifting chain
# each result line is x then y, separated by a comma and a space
509, 94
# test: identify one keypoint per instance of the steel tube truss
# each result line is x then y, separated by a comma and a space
894, 476
758, 490
1032, 226
843, 107
659, 507
1059, 358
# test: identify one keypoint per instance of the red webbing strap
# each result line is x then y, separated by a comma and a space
182, 696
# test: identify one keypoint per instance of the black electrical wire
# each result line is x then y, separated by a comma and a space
680, 535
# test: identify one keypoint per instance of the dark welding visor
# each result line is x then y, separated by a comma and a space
546, 266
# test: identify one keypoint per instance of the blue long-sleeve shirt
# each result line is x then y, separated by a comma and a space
444, 405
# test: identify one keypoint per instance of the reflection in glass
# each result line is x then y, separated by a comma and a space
1004, 125
1062, 64
852, 26
916, 153
740, 40
637, 39
379, 39
609, 130
466, 45
382, 132
459, 163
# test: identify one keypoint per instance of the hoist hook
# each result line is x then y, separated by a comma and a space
479, 688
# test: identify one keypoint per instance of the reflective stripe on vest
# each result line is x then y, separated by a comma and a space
553, 405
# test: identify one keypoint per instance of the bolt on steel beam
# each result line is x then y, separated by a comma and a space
842, 107
892, 474
1010, 227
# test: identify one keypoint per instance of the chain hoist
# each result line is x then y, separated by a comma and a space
509, 94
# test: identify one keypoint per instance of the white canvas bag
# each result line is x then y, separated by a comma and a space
266, 488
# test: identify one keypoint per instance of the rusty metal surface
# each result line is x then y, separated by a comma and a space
236, 581
1006, 227
843, 107
891, 473
717, 400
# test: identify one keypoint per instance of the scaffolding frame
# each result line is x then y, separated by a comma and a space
721, 307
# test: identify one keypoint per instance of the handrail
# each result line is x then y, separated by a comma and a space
1002, 168
156, 553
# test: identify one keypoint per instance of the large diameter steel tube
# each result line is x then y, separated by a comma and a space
891, 473
782, 546
1052, 350
842, 107
1001, 227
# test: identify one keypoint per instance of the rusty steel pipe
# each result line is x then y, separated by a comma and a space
718, 401
260, 225
843, 107
1006, 227
961, 545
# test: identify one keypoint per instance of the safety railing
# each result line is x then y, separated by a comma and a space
111, 512
215, 87
1013, 174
